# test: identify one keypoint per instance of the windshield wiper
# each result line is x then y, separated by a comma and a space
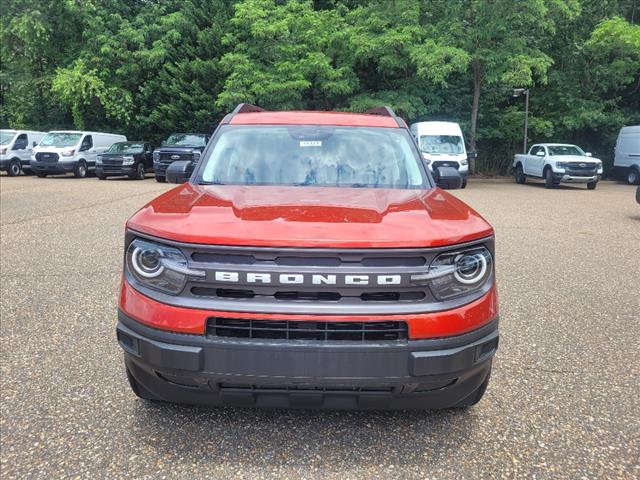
204, 182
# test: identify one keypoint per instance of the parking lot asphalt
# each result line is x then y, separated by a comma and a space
564, 398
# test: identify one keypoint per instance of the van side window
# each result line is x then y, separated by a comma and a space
21, 142
87, 143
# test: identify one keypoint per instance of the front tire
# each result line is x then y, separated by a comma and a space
592, 185
101, 177
14, 168
139, 174
548, 178
161, 179
41, 175
80, 170
519, 175
633, 178
464, 183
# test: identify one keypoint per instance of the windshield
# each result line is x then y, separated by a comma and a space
6, 137
565, 150
315, 156
60, 139
185, 140
126, 147
439, 144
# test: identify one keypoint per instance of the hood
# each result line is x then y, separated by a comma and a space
172, 149
444, 156
119, 155
51, 148
309, 217
575, 158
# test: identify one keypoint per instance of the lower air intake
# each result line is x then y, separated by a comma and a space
307, 330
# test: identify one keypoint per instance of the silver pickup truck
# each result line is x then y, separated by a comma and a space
558, 163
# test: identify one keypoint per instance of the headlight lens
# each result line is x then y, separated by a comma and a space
159, 266
453, 274
464, 161
156, 156
127, 160
562, 165
3, 151
99, 160
196, 155
68, 153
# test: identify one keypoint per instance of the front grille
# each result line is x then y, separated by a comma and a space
112, 162
47, 157
165, 157
306, 330
327, 296
582, 169
443, 163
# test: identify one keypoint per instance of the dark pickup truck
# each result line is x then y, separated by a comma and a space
130, 159
178, 147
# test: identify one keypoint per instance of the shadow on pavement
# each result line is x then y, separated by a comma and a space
276, 438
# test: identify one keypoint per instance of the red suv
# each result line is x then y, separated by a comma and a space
310, 261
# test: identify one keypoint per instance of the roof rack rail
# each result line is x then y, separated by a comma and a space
384, 111
387, 112
241, 108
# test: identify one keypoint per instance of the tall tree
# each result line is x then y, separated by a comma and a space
502, 38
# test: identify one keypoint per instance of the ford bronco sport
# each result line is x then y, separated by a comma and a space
310, 261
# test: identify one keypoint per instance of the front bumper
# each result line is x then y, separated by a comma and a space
115, 171
207, 370
563, 177
52, 168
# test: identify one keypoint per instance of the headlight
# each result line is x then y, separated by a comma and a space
562, 165
457, 273
196, 155
159, 266
99, 160
127, 160
3, 151
156, 156
68, 153
464, 162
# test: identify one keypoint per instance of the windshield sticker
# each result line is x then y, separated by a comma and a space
310, 143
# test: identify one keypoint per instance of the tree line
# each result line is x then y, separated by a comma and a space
147, 68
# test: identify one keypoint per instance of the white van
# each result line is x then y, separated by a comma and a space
442, 145
15, 150
627, 154
71, 151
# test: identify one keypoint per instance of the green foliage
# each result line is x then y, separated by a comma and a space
147, 68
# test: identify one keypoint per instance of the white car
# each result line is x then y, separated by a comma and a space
558, 163
627, 156
71, 151
442, 145
16, 147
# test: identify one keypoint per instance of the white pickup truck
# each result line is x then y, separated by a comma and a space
558, 163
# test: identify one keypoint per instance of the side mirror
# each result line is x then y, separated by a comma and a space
447, 177
587, 154
472, 155
34, 144
539, 153
179, 172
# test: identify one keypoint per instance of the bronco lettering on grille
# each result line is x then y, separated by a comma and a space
301, 278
